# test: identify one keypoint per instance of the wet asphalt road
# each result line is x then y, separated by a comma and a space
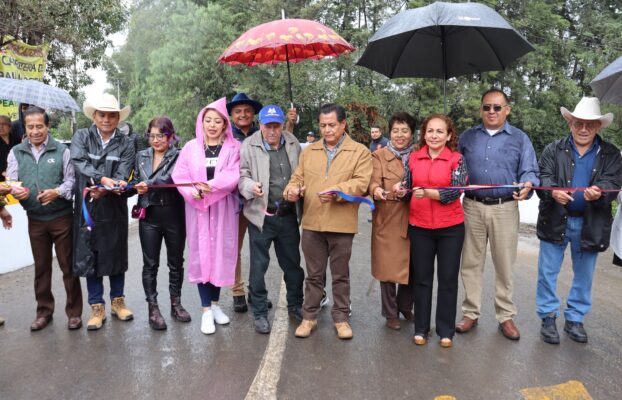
129, 360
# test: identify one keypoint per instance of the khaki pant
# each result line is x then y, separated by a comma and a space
497, 224
238, 286
318, 248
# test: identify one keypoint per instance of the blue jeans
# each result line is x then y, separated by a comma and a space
208, 293
550, 261
95, 287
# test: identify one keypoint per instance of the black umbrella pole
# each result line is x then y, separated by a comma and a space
289, 78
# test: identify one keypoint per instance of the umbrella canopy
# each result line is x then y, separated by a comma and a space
443, 40
285, 40
607, 85
37, 93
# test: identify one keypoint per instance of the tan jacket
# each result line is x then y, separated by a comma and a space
349, 172
390, 246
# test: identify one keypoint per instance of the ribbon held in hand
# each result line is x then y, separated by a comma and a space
350, 198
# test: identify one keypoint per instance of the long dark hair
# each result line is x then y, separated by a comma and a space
451, 130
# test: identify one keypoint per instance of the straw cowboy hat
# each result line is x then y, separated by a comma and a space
105, 102
588, 109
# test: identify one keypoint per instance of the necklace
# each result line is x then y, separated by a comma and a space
212, 152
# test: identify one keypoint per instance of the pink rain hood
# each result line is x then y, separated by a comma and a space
211, 222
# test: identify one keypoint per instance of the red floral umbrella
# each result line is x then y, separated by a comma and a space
285, 40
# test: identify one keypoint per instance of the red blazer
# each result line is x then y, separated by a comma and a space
430, 173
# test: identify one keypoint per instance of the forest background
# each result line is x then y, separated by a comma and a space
168, 65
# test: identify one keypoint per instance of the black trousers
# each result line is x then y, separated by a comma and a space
166, 223
283, 231
444, 245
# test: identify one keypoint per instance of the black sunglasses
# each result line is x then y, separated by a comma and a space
496, 107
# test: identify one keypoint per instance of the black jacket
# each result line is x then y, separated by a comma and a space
102, 251
556, 170
162, 175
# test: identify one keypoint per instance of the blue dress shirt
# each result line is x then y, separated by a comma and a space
501, 159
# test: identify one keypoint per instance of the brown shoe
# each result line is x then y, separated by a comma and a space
509, 330
446, 343
178, 311
343, 330
393, 323
420, 339
74, 323
466, 324
156, 321
305, 328
40, 323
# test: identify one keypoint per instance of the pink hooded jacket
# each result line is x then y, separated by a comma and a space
211, 222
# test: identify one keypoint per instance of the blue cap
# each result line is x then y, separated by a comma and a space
271, 113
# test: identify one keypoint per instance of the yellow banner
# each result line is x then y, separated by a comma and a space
19, 60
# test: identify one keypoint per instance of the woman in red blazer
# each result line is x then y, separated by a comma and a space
436, 225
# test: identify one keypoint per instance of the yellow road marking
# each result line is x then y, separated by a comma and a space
571, 390
445, 398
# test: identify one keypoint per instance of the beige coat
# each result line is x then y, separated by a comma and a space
349, 172
390, 246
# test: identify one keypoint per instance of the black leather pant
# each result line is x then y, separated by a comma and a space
166, 223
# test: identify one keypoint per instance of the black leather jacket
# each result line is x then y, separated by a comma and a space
162, 175
556, 170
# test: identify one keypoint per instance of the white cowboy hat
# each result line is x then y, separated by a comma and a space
105, 102
588, 109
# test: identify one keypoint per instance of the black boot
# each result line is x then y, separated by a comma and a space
178, 311
239, 304
156, 321
548, 331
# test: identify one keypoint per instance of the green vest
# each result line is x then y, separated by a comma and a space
42, 175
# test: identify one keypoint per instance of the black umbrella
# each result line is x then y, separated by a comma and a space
607, 85
443, 40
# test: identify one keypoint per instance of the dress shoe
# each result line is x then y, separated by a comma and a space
548, 331
446, 343
207, 323
120, 310
295, 314
74, 323
305, 328
262, 325
466, 324
420, 339
408, 315
178, 311
97, 318
344, 331
239, 304
575, 331
509, 330
156, 320
393, 323
40, 323
219, 316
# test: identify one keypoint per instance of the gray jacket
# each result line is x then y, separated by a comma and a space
255, 167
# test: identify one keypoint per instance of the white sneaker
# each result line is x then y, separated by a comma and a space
207, 323
325, 301
219, 317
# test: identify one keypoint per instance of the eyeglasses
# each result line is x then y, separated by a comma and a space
590, 125
496, 107
157, 136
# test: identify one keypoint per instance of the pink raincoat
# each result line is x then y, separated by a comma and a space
211, 222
